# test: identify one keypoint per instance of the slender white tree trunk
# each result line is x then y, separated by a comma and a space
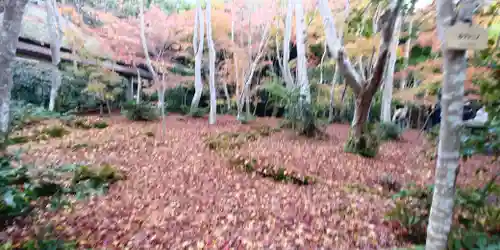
198, 40
139, 87
9, 35
156, 81
302, 79
287, 75
56, 34
144, 41
385, 114
162, 105
235, 59
331, 107
244, 95
321, 66
407, 53
211, 46
454, 68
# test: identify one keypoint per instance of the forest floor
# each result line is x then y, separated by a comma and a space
179, 194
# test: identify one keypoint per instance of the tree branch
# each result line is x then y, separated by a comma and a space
388, 24
335, 48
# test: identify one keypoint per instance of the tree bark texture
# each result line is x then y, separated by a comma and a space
447, 166
9, 34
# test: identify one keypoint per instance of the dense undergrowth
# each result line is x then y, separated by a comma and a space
27, 119
476, 221
24, 188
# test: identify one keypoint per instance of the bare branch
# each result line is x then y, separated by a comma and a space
263, 42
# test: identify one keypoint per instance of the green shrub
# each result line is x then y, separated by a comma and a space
477, 216
389, 131
42, 244
198, 112
17, 140
367, 145
55, 131
299, 115
25, 114
32, 83
100, 125
20, 188
140, 112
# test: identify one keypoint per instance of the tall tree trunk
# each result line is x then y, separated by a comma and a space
211, 46
9, 35
56, 33
198, 40
287, 75
361, 110
306, 115
447, 167
302, 79
407, 53
385, 114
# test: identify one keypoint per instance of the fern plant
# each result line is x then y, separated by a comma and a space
299, 115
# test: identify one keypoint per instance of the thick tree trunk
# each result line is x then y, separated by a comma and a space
385, 114
213, 96
9, 34
361, 110
454, 68
55, 30
199, 33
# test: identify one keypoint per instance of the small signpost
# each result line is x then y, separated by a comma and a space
465, 36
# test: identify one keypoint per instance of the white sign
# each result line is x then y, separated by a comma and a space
466, 36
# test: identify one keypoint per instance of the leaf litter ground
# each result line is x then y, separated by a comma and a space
179, 194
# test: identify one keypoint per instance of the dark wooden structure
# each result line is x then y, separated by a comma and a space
31, 49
